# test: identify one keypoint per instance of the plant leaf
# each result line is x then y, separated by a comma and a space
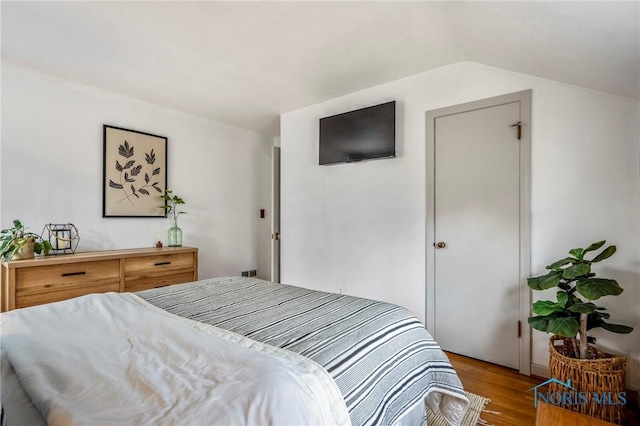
146, 177
143, 191
9, 254
594, 246
562, 297
596, 320
602, 315
574, 271
616, 328
539, 323
605, 254
557, 265
156, 171
583, 308
118, 166
155, 187
595, 288
129, 164
546, 307
136, 170
552, 279
577, 252
565, 326
115, 185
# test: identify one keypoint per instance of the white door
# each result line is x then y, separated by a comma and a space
275, 216
477, 231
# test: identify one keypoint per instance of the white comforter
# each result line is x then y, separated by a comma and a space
115, 359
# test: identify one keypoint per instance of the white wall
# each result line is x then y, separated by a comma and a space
361, 226
52, 171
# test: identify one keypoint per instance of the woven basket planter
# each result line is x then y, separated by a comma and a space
599, 373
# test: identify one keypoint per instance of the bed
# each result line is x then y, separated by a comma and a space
326, 358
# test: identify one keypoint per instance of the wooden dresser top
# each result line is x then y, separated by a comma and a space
95, 255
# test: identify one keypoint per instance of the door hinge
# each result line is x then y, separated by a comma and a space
519, 329
519, 126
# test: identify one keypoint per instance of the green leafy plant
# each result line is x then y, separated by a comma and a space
171, 205
14, 240
573, 312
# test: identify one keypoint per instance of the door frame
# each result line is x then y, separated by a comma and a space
275, 214
524, 97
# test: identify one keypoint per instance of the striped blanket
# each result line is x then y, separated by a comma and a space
381, 357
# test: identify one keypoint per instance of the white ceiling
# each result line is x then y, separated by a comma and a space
244, 63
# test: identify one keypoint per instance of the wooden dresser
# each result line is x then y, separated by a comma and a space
47, 279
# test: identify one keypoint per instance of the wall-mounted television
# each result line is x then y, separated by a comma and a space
363, 134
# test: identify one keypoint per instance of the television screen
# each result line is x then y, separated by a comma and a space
358, 135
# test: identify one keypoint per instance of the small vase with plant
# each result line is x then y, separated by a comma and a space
18, 243
174, 237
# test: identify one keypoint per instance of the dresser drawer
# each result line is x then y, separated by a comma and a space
145, 282
158, 264
66, 275
141, 273
45, 284
27, 299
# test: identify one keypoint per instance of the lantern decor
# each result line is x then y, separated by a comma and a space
64, 238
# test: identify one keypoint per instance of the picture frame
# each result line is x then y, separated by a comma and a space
134, 173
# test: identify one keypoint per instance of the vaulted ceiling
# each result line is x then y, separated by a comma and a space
244, 63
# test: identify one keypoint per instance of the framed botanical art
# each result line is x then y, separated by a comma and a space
134, 173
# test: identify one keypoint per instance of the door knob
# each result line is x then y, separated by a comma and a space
441, 244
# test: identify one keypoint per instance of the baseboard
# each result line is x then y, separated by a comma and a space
540, 370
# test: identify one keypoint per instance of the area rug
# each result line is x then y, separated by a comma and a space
472, 418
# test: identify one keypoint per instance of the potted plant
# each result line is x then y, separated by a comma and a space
17, 243
572, 315
171, 208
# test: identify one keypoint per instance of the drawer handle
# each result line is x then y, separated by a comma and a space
163, 263
69, 274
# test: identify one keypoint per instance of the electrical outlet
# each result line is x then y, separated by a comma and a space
245, 273
253, 273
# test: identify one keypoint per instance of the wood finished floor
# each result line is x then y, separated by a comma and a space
507, 390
